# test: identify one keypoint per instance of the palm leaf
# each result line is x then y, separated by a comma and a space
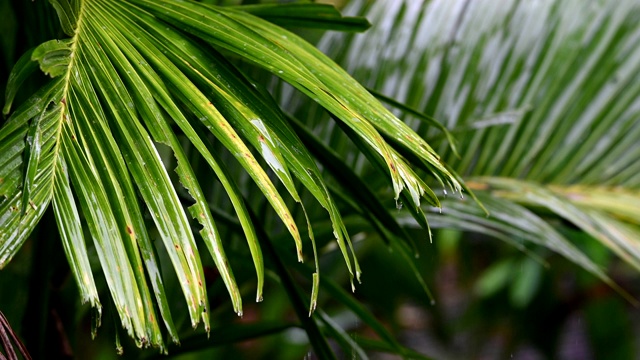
543, 99
132, 79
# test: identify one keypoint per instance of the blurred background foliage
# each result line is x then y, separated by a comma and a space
541, 98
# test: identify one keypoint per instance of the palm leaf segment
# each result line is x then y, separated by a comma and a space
131, 75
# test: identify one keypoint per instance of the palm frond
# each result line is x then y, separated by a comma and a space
131, 81
542, 98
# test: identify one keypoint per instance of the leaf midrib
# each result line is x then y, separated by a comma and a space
65, 91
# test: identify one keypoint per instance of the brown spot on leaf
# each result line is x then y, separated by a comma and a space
177, 247
63, 101
129, 230
393, 168
261, 138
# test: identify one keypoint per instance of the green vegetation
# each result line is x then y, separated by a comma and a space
165, 163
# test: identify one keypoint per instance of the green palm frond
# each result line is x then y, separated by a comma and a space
542, 98
132, 83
